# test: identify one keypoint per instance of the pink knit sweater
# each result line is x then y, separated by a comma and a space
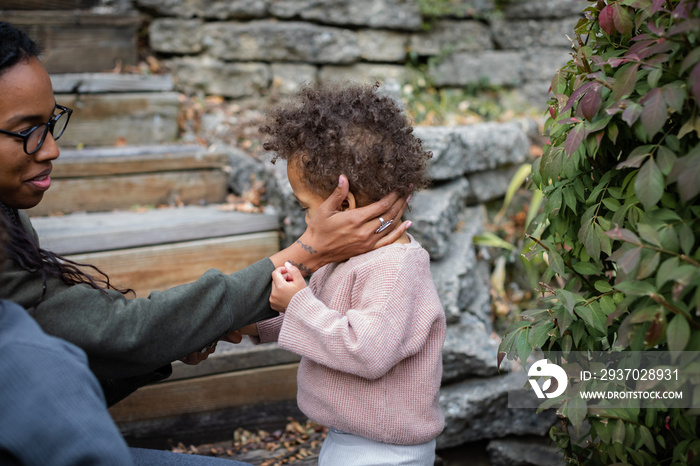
370, 333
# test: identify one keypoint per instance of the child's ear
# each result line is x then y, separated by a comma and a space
349, 202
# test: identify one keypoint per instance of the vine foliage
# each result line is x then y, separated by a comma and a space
620, 174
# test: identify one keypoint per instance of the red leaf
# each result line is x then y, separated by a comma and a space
632, 162
691, 59
631, 114
657, 5
623, 235
574, 139
576, 95
686, 171
694, 81
605, 19
654, 113
591, 101
657, 30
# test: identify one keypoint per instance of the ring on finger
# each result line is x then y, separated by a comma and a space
384, 225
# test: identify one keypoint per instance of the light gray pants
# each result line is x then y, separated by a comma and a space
341, 449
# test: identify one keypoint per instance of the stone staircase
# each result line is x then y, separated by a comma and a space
128, 197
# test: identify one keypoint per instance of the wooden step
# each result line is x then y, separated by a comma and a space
161, 248
108, 178
80, 41
112, 109
243, 385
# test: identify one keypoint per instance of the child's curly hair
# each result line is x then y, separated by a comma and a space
349, 129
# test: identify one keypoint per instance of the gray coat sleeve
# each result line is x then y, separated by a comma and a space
125, 337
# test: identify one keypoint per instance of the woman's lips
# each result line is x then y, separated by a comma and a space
41, 182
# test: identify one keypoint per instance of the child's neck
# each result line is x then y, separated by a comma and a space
403, 239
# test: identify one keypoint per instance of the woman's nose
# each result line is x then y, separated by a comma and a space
48, 151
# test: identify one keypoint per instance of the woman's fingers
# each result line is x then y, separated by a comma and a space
393, 235
335, 200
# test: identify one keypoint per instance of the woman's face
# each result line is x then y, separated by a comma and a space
26, 100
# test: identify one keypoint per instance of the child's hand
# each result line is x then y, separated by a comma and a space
286, 282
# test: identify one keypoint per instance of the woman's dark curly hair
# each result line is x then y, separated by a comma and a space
350, 129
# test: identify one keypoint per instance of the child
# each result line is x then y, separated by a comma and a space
369, 330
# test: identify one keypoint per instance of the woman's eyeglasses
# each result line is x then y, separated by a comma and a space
34, 137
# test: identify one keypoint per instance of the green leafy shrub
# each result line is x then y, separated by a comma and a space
619, 228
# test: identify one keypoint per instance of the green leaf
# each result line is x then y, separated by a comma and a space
648, 265
492, 240
586, 268
686, 171
665, 270
575, 410
636, 288
677, 333
625, 80
665, 158
602, 429
618, 433
603, 286
589, 238
522, 345
622, 19
686, 238
649, 184
649, 234
556, 262
539, 333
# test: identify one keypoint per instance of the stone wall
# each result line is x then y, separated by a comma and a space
251, 48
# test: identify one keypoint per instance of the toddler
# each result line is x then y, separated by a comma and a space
369, 330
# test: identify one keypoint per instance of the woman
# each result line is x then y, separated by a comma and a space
131, 342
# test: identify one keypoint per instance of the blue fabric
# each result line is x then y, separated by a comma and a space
143, 457
52, 410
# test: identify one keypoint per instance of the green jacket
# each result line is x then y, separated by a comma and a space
132, 341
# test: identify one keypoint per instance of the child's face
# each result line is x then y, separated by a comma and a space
309, 200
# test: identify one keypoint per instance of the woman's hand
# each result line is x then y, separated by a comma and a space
286, 282
195, 358
251, 329
334, 235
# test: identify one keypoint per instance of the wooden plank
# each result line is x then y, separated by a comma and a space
119, 119
208, 427
103, 193
47, 4
116, 161
91, 83
161, 267
103, 40
268, 384
83, 233
229, 358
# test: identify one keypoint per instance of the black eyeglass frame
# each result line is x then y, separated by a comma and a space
49, 126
